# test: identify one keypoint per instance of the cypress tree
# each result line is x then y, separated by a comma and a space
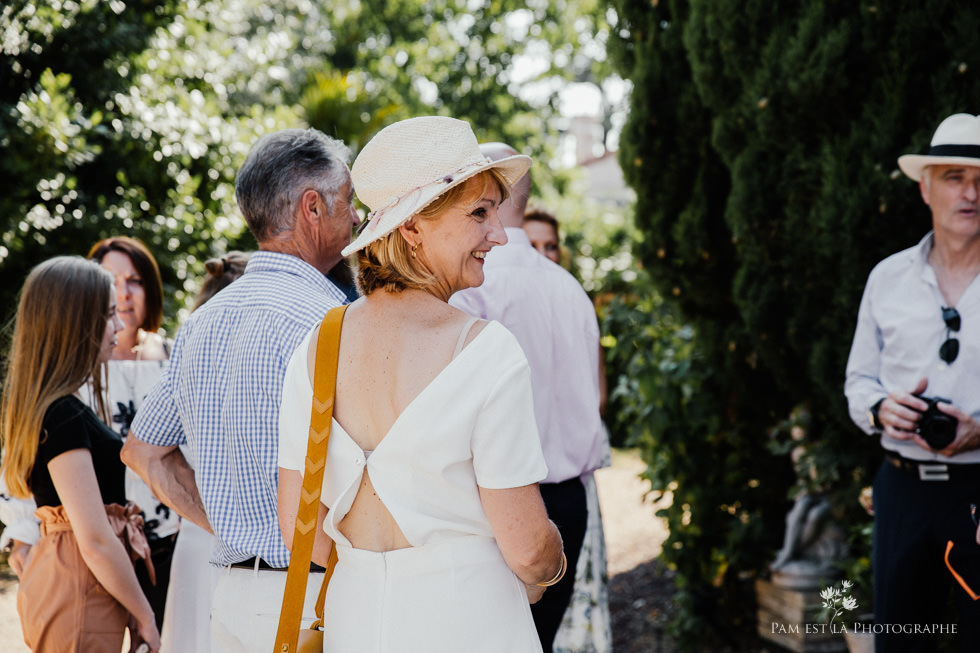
762, 143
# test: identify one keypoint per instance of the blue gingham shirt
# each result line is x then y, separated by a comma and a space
220, 396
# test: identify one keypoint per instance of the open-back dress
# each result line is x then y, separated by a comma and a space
473, 426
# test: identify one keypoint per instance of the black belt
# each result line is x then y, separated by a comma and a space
933, 471
250, 564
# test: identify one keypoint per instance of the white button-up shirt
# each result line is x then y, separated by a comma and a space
899, 331
555, 323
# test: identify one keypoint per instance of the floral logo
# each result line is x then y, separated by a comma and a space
838, 599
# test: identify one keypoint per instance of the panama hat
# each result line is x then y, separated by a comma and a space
956, 142
410, 163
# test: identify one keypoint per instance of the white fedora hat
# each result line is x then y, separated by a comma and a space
956, 142
410, 163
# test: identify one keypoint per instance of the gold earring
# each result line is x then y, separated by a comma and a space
415, 247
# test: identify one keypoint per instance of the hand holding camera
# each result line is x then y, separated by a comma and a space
934, 426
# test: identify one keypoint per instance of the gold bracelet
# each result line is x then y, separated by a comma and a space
562, 567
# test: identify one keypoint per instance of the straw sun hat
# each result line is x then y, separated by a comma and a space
956, 142
410, 163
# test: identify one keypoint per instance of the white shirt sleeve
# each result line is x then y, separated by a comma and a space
294, 410
506, 445
862, 384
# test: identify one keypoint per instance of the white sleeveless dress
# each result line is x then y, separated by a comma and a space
472, 426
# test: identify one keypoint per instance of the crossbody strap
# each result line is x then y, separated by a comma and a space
321, 414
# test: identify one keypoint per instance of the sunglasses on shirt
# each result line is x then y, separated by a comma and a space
950, 349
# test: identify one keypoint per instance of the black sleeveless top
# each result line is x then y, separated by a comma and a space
69, 424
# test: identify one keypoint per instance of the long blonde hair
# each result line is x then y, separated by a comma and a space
61, 319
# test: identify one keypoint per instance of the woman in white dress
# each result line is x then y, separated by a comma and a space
430, 489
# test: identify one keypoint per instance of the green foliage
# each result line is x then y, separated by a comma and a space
762, 146
719, 497
133, 116
125, 118
497, 64
56, 140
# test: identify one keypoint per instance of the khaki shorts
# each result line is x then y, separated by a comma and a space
62, 607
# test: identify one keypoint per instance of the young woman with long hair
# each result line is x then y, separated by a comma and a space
78, 589
137, 360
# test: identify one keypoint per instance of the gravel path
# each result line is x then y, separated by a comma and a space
639, 588
11, 640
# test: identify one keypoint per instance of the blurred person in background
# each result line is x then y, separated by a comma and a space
586, 626
186, 626
221, 272
541, 228
138, 360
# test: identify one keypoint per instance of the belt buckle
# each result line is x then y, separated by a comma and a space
937, 472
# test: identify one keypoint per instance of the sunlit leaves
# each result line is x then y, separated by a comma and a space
147, 107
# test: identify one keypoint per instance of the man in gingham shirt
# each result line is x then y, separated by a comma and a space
220, 394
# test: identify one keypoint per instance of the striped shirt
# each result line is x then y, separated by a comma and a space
220, 396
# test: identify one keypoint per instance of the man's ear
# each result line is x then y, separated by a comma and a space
310, 206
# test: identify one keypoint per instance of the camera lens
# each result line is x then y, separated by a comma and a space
936, 427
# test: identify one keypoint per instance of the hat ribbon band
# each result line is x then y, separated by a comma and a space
967, 151
374, 217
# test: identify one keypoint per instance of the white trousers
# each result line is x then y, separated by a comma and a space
245, 609
186, 619
452, 596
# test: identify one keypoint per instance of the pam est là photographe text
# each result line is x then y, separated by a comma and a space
838, 604
821, 629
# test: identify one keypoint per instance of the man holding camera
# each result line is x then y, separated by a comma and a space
913, 377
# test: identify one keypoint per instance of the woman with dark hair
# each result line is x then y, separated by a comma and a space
139, 293
78, 590
542, 230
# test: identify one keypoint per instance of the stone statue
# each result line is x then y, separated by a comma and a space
812, 547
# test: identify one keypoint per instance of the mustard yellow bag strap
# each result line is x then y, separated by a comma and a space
321, 414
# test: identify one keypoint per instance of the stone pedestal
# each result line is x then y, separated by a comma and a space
793, 617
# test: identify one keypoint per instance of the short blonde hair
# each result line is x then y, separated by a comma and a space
388, 264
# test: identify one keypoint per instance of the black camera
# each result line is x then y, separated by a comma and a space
936, 427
